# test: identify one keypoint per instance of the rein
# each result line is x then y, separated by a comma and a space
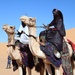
44, 26
31, 36
37, 26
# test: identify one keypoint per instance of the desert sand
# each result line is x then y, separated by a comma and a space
4, 52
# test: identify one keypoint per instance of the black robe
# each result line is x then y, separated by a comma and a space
55, 35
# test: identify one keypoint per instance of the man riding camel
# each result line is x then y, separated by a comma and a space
22, 44
53, 36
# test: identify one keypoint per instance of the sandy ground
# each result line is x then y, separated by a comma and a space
3, 56
3, 61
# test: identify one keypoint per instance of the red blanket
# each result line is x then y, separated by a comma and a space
72, 44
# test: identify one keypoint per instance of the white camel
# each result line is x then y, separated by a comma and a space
35, 46
14, 52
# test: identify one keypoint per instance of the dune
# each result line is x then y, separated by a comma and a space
70, 34
4, 52
3, 61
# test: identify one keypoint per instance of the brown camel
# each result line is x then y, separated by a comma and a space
34, 44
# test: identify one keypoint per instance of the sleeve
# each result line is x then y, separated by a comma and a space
60, 27
51, 24
20, 28
24, 39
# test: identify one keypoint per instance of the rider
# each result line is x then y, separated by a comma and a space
59, 27
54, 37
20, 39
23, 45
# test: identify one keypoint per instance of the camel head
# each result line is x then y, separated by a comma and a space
8, 29
29, 21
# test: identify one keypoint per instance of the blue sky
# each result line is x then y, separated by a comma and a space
12, 10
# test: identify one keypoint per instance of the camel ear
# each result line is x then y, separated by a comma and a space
14, 27
34, 19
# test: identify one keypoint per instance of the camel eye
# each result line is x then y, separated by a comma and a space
30, 18
11, 27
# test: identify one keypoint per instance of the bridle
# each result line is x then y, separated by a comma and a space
44, 26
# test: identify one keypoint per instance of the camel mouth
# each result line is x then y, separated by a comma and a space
3, 28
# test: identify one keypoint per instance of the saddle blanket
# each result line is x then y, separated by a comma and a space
66, 62
48, 49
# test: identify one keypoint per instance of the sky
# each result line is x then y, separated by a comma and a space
12, 10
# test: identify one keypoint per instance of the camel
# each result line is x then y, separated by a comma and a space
14, 52
35, 46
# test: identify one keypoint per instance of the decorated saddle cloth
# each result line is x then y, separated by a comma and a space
66, 62
27, 57
48, 49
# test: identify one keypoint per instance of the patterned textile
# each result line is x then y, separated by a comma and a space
24, 58
48, 49
66, 62
27, 57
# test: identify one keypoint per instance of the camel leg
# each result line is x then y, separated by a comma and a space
58, 71
29, 71
52, 69
20, 70
42, 70
24, 70
73, 67
48, 68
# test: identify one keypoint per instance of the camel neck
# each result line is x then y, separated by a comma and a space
32, 31
11, 38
